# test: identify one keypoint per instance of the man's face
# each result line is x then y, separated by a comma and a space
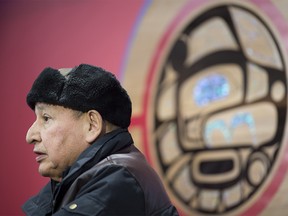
59, 138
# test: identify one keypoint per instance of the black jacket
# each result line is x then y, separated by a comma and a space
111, 177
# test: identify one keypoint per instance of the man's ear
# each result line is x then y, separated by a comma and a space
95, 125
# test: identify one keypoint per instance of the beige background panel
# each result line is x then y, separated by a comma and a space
151, 29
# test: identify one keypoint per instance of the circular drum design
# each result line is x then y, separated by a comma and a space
219, 109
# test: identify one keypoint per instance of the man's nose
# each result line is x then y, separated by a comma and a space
33, 135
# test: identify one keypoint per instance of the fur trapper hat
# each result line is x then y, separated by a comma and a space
83, 88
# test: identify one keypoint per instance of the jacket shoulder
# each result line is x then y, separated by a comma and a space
154, 193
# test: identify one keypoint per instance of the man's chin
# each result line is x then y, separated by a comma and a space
43, 173
51, 175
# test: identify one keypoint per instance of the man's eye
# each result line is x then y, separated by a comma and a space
46, 118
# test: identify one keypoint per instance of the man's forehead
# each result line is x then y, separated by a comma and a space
40, 106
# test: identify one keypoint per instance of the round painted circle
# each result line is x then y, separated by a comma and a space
217, 131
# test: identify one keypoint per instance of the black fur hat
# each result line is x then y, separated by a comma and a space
84, 88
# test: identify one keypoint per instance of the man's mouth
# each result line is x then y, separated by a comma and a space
40, 156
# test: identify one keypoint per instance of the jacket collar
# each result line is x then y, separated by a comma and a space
102, 147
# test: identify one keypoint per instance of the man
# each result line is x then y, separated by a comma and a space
82, 144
